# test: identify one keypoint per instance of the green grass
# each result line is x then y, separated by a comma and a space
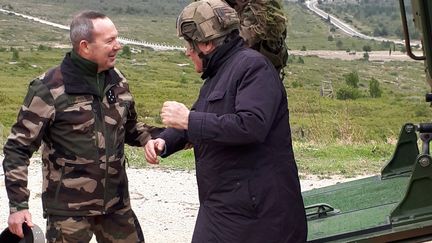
330, 136
319, 159
344, 159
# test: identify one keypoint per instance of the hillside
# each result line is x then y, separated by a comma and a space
330, 135
380, 18
154, 21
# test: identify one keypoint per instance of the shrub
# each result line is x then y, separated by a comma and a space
374, 88
42, 48
291, 59
183, 78
352, 79
366, 56
339, 44
126, 52
300, 60
15, 54
297, 84
347, 93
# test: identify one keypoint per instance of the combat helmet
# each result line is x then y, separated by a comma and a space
206, 20
31, 235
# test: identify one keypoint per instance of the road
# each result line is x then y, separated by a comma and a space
344, 27
378, 56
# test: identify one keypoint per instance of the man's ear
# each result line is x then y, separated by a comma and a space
84, 46
206, 47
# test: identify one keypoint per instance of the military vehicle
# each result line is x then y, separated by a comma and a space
395, 206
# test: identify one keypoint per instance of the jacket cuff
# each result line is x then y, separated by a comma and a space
15, 207
195, 126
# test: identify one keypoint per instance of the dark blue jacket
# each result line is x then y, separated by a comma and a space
247, 177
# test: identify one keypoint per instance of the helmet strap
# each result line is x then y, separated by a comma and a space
196, 48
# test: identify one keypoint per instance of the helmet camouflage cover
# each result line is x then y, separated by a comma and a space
206, 20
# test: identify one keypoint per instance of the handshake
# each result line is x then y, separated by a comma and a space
174, 115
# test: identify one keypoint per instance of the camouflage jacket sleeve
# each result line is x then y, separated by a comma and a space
138, 133
24, 139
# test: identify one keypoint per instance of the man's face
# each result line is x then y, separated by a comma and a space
104, 48
193, 55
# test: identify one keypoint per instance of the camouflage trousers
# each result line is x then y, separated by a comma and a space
118, 227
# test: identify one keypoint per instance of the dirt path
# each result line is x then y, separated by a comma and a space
165, 201
343, 55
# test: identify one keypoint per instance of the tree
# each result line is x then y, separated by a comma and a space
330, 38
303, 48
339, 44
377, 32
366, 56
374, 88
352, 79
367, 48
126, 52
15, 54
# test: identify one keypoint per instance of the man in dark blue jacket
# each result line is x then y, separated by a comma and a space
247, 177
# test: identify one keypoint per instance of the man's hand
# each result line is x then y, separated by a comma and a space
175, 115
16, 220
152, 149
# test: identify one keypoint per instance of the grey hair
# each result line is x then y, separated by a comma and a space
219, 41
81, 27
226, 38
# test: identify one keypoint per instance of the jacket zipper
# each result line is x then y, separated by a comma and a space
59, 185
107, 147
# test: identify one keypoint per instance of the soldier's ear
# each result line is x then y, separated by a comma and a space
206, 47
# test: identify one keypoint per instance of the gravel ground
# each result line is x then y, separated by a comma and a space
165, 201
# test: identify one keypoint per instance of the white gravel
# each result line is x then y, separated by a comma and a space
165, 201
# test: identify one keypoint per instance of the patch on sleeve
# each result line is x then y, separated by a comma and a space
30, 95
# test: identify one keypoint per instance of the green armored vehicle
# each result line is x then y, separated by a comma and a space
395, 206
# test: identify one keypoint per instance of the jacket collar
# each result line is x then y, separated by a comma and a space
74, 69
213, 61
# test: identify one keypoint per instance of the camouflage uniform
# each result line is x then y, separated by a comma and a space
263, 26
83, 135
119, 227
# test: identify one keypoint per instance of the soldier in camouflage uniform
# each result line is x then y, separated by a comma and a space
263, 26
82, 113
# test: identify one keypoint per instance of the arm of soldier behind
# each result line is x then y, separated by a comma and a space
25, 138
138, 133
